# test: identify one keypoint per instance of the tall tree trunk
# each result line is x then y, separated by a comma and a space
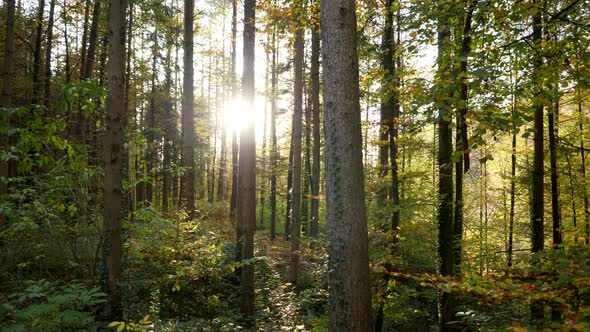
348, 265
555, 209
512, 197
48, 50
37, 53
315, 104
151, 126
387, 53
92, 41
168, 127
583, 169
537, 206
264, 139
393, 138
234, 142
461, 134
113, 157
296, 148
188, 112
6, 96
273, 135
306, 172
247, 167
446, 239
127, 195
288, 218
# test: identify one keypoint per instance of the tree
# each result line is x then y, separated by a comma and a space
348, 265
296, 144
6, 96
188, 115
113, 157
315, 105
445, 167
247, 169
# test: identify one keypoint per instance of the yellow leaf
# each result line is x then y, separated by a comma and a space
413, 34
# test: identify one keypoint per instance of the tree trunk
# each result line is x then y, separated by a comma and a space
387, 53
273, 135
288, 218
461, 135
583, 169
315, 104
151, 126
446, 239
537, 206
234, 142
348, 265
89, 59
6, 96
555, 209
168, 128
48, 50
37, 53
113, 157
247, 167
188, 112
296, 147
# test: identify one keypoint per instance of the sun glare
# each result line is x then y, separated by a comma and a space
237, 113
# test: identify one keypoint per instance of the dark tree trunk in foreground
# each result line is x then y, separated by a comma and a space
315, 105
188, 113
387, 49
6, 93
247, 167
446, 239
296, 150
234, 142
350, 297
537, 206
113, 160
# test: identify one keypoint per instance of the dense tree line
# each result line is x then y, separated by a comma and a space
307, 165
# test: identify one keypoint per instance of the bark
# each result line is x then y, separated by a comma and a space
90, 56
234, 143
264, 139
113, 156
393, 141
512, 198
48, 51
247, 167
348, 264
583, 169
273, 135
537, 206
446, 239
387, 53
37, 53
84, 35
555, 209
127, 199
6, 96
151, 126
462, 146
168, 128
296, 148
315, 104
188, 113
306, 172
288, 218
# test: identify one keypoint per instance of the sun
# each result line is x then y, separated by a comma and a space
237, 113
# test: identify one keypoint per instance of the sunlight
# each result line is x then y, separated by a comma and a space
237, 113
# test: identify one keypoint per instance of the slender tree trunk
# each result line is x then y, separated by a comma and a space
168, 128
113, 157
264, 139
247, 167
92, 41
151, 127
48, 50
348, 264
446, 239
6, 96
288, 218
512, 198
461, 135
315, 104
573, 196
234, 143
537, 206
306, 172
583, 169
555, 209
37, 53
296, 147
84, 35
393, 142
273, 135
385, 127
188, 112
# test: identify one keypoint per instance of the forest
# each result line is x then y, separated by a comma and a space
303, 165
